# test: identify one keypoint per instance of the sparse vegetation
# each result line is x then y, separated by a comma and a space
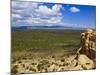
27, 68
33, 63
19, 61
44, 50
14, 69
39, 67
44, 62
53, 56
23, 65
63, 60
44, 39
32, 69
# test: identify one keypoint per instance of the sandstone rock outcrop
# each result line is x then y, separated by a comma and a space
87, 52
88, 43
85, 62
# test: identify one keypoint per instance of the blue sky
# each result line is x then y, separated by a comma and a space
51, 14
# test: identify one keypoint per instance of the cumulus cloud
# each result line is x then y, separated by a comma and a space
31, 12
74, 9
16, 16
44, 10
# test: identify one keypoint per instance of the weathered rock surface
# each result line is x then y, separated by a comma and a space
85, 62
87, 52
88, 43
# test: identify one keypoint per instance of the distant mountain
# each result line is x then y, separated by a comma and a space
39, 27
36, 27
45, 27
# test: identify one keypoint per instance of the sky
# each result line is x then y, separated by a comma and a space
26, 13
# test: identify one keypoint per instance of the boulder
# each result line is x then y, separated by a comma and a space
85, 62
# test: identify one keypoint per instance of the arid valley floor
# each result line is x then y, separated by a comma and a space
37, 51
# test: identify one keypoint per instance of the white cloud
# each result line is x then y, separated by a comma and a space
16, 16
52, 20
56, 8
36, 13
23, 7
50, 15
44, 10
74, 9
18, 4
55, 20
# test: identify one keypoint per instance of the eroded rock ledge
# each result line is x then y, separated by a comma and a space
86, 54
88, 43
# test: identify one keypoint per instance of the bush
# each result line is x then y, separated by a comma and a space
62, 60
39, 66
33, 63
23, 65
53, 56
14, 69
27, 67
44, 62
32, 69
19, 61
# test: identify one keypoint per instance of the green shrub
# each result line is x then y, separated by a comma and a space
63, 60
53, 56
33, 63
32, 69
39, 66
27, 67
23, 65
19, 61
44, 62
14, 69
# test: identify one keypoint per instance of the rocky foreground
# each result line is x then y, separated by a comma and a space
84, 59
